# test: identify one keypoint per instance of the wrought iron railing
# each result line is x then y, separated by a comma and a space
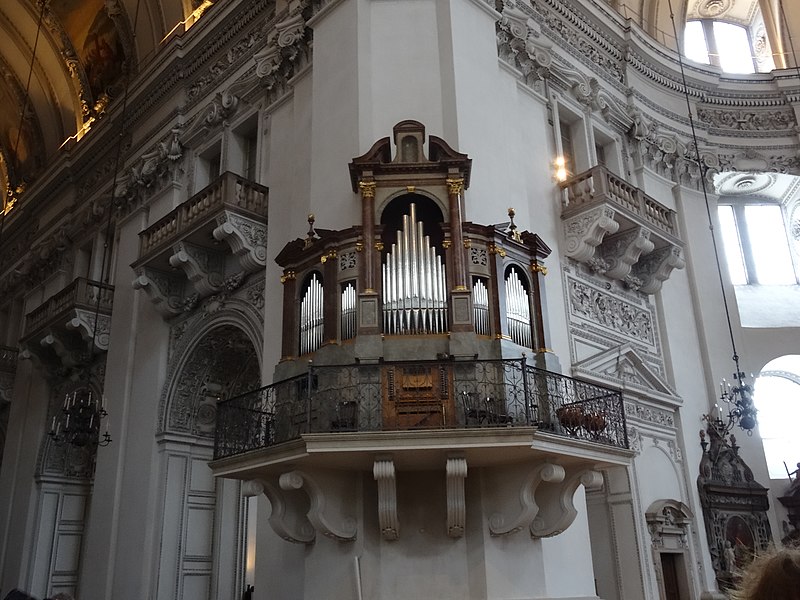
438, 395
81, 293
598, 185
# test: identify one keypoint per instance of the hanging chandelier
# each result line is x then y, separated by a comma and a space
80, 421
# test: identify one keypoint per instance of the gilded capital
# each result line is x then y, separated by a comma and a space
455, 185
367, 189
537, 268
288, 276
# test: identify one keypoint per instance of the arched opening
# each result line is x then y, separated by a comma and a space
204, 521
777, 398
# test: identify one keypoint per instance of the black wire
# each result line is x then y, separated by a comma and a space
703, 172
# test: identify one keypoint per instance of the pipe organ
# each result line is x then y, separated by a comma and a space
518, 309
414, 284
412, 266
480, 306
348, 314
311, 316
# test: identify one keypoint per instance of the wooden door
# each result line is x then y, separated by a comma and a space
669, 569
417, 396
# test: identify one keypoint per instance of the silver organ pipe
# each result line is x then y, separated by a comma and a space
518, 312
311, 317
414, 288
480, 303
348, 317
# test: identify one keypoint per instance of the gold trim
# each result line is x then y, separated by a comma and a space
446, 244
467, 243
379, 246
455, 185
359, 247
330, 255
411, 189
537, 268
495, 249
367, 188
461, 288
288, 276
538, 350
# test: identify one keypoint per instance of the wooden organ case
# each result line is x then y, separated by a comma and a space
413, 283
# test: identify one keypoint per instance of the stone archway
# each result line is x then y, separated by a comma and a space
203, 520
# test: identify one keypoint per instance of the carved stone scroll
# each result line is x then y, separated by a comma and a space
557, 510
585, 232
301, 533
456, 503
344, 531
384, 473
499, 525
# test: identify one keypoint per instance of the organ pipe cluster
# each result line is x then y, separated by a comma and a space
480, 305
348, 324
414, 288
518, 310
311, 316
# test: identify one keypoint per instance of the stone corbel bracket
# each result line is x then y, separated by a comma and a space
344, 531
284, 519
456, 471
93, 328
545, 472
246, 237
166, 291
622, 250
655, 268
557, 509
62, 350
203, 267
384, 473
584, 232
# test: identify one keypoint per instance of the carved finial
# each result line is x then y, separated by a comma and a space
312, 234
512, 228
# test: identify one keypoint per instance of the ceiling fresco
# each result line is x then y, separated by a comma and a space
84, 45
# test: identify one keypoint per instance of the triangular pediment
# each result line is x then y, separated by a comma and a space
623, 366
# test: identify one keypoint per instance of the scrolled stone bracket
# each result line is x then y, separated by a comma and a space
246, 237
93, 328
301, 532
556, 500
165, 291
585, 232
622, 250
343, 531
655, 268
204, 268
545, 472
456, 471
384, 473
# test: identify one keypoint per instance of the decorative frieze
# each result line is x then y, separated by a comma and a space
589, 303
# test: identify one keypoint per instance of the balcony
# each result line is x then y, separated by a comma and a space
435, 396
71, 323
8, 359
232, 210
619, 231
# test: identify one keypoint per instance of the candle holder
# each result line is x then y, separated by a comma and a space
80, 420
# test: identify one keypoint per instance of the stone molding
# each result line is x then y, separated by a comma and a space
339, 527
558, 510
456, 471
500, 525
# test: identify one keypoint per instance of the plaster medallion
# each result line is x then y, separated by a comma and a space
713, 8
741, 184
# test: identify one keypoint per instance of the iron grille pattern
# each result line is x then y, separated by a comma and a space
483, 393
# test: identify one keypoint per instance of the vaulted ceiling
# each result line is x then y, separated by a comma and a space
75, 52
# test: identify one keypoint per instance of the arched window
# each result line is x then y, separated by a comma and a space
311, 314
777, 398
728, 35
518, 307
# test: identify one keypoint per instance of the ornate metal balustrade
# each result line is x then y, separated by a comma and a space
420, 395
79, 297
8, 359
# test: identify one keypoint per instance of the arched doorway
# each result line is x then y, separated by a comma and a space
203, 520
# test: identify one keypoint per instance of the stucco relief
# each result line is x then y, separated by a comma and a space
587, 302
748, 120
649, 414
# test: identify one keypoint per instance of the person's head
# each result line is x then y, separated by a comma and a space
772, 575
